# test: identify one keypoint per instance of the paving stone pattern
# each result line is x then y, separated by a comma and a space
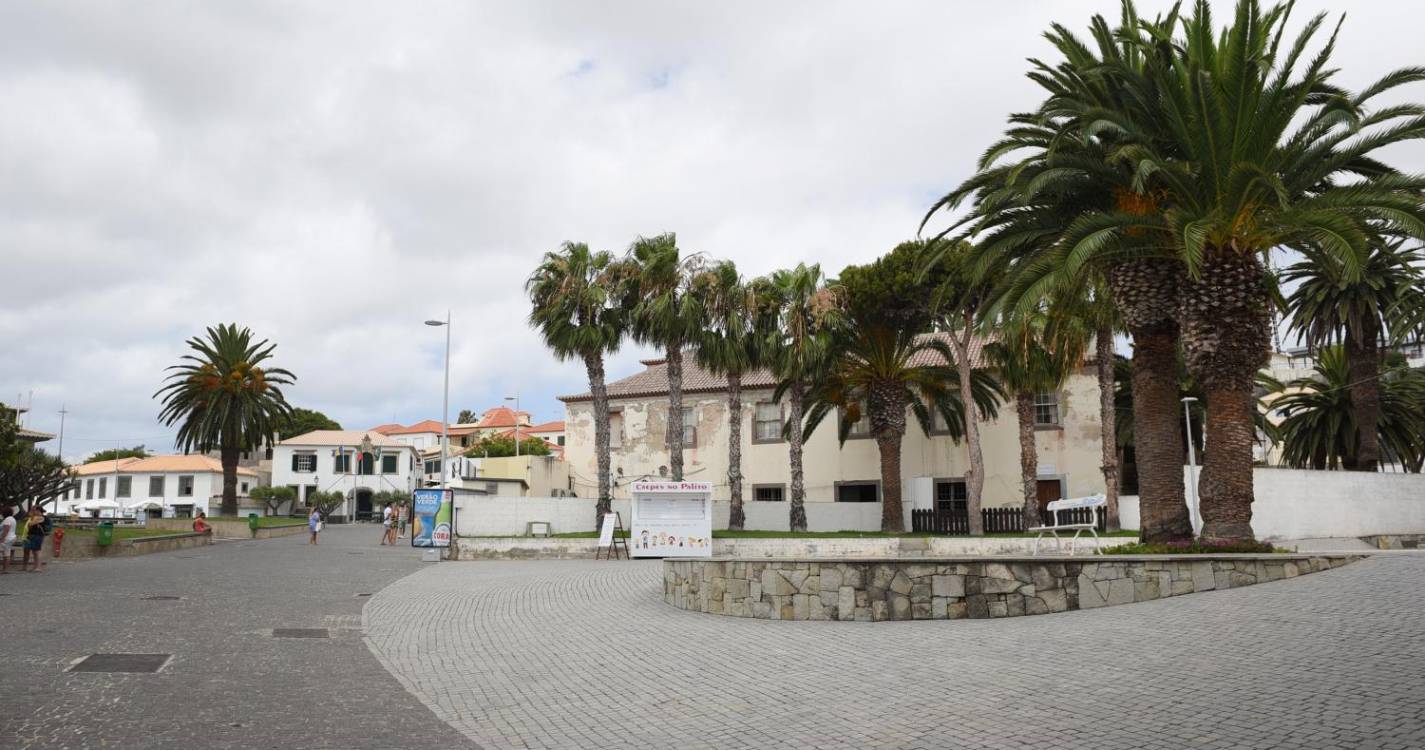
229, 684
584, 654
924, 589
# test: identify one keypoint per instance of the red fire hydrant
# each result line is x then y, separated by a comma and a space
58, 537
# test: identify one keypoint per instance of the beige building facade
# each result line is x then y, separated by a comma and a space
1068, 440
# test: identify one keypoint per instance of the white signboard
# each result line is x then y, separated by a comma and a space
606, 532
671, 519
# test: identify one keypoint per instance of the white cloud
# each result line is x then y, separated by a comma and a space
334, 174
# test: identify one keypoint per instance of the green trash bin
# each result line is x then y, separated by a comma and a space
105, 534
252, 523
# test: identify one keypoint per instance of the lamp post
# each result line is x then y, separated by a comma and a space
445, 404
516, 398
1195, 516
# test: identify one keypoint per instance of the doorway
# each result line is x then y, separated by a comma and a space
363, 504
1049, 490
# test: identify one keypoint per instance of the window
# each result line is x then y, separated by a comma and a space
690, 428
769, 493
389, 465
304, 463
155, 486
951, 495
89, 489
244, 488
492, 488
366, 464
185, 485
123, 486
858, 492
1046, 409
860, 428
267, 454
560, 440
767, 423
103, 486
938, 425
433, 467
615, 429
341, 462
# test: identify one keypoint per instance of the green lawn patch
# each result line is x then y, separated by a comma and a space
264, 522
123, 532
1194, 548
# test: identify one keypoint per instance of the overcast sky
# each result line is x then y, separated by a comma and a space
332, 174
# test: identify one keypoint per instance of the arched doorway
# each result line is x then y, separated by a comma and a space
363, 504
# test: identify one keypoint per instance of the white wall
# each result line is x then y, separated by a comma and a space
326, 478
1305, 504
501, 516
207, 491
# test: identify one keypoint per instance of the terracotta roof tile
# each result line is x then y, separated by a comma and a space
341, 437
428, 425
194, 462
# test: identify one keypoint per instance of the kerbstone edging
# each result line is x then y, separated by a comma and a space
958, 588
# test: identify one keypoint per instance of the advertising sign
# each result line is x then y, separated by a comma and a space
432, 518
672, 519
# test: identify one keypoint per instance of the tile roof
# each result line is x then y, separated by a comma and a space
385, 429
341, 437
429, 425
653, 381
555, 426
194, 462
500, 416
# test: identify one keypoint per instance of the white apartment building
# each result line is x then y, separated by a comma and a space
176, 486
1067, 432
356, 463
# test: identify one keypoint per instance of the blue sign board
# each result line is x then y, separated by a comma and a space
433, 513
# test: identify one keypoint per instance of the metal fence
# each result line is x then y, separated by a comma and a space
999, 520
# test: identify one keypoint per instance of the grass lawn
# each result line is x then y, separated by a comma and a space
727, 534
122, 532
264, 522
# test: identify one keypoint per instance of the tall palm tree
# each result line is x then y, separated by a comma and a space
1318, 419
1033, 356
1326, 307
666, 315
226, 399
730, 345
576, 311
799, 351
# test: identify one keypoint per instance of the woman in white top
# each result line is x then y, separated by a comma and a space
314, 524
7, 537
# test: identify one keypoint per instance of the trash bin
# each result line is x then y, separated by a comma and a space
252, 523
105, 534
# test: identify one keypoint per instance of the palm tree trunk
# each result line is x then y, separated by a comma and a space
975, 471
1108, 430
1158, 441
798, 512
1028, 457
892, 515
736, 514
594, 365
675, 412
229, 456
1226, 321
1363, 365
1226, 484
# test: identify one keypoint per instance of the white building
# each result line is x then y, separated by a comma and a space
421, 435
356, 463
176, 486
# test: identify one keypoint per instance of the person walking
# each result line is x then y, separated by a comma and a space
401, 522
387, 525
35, 538
7, 537
314, 524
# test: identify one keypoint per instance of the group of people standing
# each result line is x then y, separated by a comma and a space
27, 529
393, 524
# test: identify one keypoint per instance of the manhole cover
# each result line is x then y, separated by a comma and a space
364, 594
161, 598
299, 632
122, 663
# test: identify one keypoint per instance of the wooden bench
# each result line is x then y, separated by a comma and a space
1091, 503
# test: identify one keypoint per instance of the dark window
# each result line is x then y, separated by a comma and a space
388, 464
244, 488
123, 486
690, 428
560, 439
951, 495
433, 467
858, 492
861, 427
103, 486
769, 493
155, 486
767, 423
89, 489
341, 463
1046, 408
366, 464
304, 463
185, 486
267, 454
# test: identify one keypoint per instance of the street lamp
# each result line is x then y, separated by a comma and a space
516, 398
445, 404
1196, 513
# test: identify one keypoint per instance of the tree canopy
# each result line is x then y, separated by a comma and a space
113, 454
499, 446
302, 421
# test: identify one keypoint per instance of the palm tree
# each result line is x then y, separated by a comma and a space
1318, 419
665, 314
730, 345
1031, 358
576, 312
466, 417
799, 351
226, 399
1327, 307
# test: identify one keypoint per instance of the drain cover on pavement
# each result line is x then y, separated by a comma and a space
122, 663
299, 632
361, 595
161, 598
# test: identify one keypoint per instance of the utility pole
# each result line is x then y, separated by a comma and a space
62, 412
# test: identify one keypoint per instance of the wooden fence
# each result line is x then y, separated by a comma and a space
998, 520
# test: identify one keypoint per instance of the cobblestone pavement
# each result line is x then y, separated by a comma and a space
230, 684
583, 654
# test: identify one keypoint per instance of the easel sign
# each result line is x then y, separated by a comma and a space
608, 541
672, 519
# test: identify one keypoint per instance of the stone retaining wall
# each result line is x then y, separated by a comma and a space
77, 547
526, 548
955, 588
224, 528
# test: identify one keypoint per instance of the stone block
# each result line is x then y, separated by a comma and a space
1181, 586
736, 588
754, 591
947, 586
1042, 578
812, 585
773, 584
1014, 604
919, 571
1033, 605
1022, 572
1290, 570
1222, 579
938, 606
956, 611
1203, 578
846, 603
801, 607
881, 576
997, 570
900, 583
1055, 600
900, 607
853, 576
831, 597
879, 610
795, 578
998, 585
920, 593
863, 614
977, 607
1145, 591
830, 578
998, 608
762, 610
920, 611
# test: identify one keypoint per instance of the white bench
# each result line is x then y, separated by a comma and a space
1092, 502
